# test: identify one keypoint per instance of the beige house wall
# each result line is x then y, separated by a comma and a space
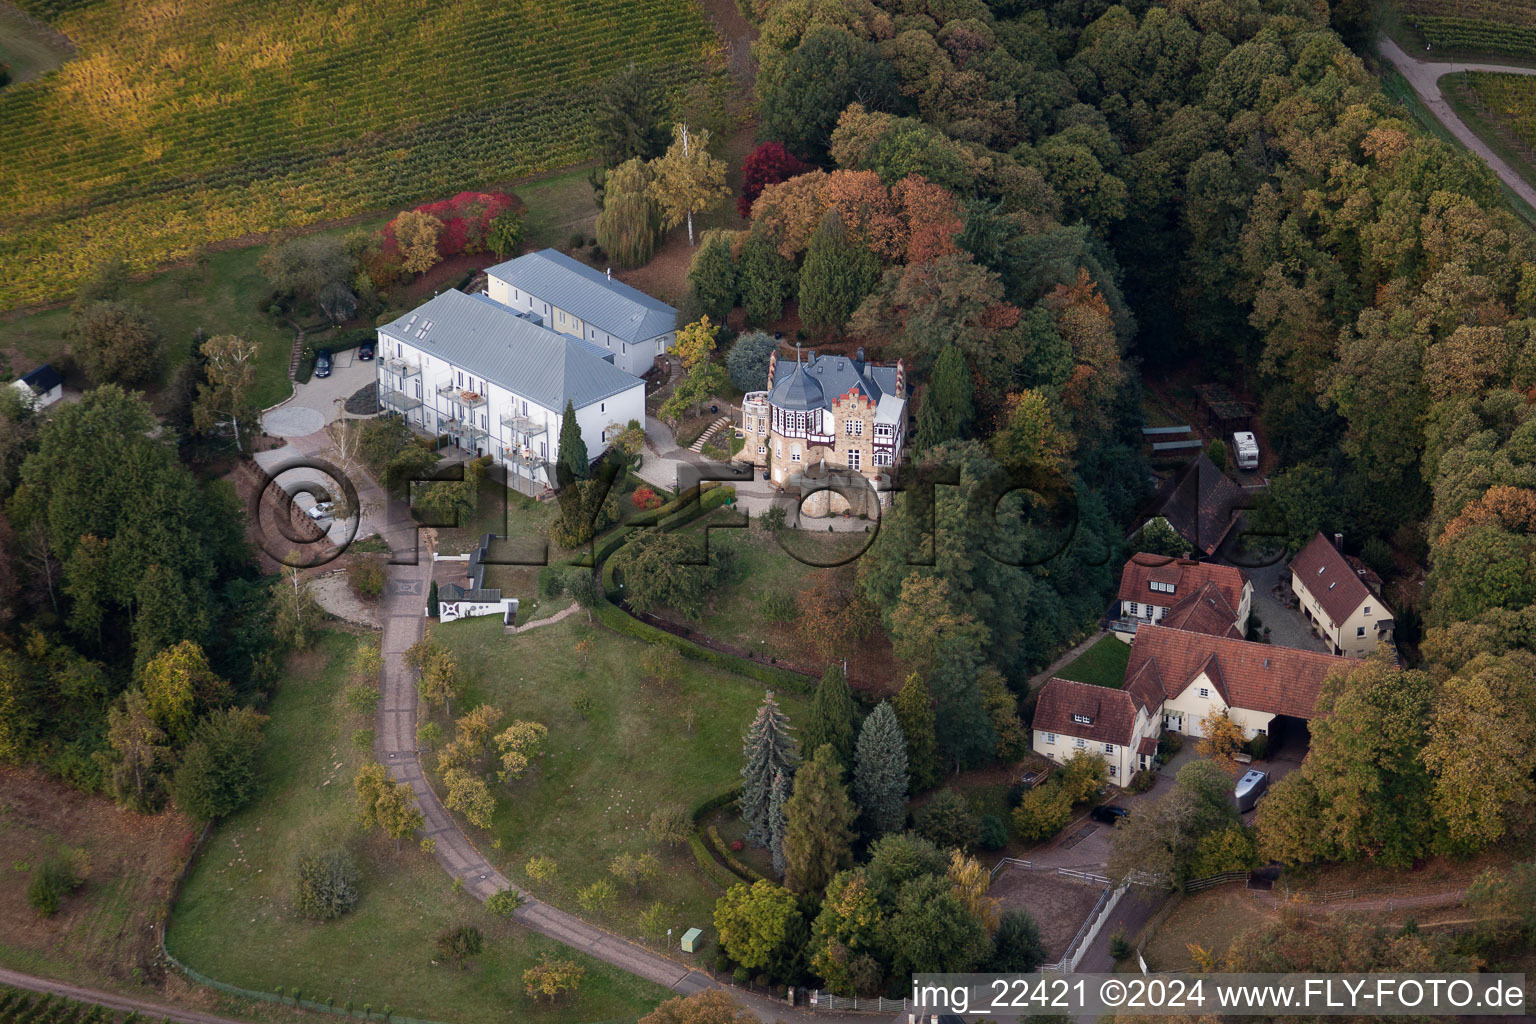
1187, 709
1342, 636
1124, 759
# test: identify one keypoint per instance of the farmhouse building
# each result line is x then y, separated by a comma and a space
1175, 679
496, 381
41, 387
1200, 597
830, 414
1336, 597
575, 299
1200, 503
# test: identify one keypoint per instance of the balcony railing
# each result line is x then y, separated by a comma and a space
399, 400
465, 429
519, 424
525, 458
400, 368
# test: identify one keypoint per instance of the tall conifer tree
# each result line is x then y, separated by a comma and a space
819, 820
914, 713
778, 824
948, 406
768, 748
834, 718
573, 464
880, 773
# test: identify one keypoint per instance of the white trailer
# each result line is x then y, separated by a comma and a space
1246, 448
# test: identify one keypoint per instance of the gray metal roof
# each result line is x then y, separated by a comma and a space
605, 354
613, 306
819, 382
491, 341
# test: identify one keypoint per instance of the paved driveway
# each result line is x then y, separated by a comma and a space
1287, 628
318, 402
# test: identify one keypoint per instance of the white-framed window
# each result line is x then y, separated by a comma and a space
855, 428
1114, 770
1080, 743
854, 455
884, 430
1082, 719
762, 449
1160, 587
1367, 610
1135, 609
882, 458
1050, 737
1359, 631
1109, 748
1205, 691
794, 453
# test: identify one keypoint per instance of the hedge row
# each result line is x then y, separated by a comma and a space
741, 870
711, 867
617, 620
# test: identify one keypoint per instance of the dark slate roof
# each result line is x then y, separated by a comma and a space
1112, 712
820, 381
44, 378
491, 341
1200, 503
589, 294
1332, 580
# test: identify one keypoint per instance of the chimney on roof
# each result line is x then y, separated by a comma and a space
1338, 542
773, 364
858, 360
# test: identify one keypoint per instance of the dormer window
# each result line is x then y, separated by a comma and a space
1082, 719
1160, 587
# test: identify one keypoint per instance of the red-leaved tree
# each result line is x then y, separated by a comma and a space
466, 221
768, 164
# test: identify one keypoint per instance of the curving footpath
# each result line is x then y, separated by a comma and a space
1424, 76
395, 746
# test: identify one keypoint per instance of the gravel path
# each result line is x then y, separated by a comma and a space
127, 1004
1425, 77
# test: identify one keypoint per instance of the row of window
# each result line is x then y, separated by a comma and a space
1160, 587
855, 456
1079, 743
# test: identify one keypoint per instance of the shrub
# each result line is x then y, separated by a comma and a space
363, 739
1143, 780
460, 943
365, 578
669, 824
327, 885
632, 869
993, 833
947, 821
1168, 746
503, 903
54, 879
551, 977
1258, 747
599, 896
541, 868
551, 581
773, 518
1043, 811
645, 498
722, 963
741, 975
1119, 946
583, 705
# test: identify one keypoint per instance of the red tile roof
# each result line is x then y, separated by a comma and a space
1112, 712
1205, 611
1186, 576
1332, 581
1259, 677
1200, 502
1147, 746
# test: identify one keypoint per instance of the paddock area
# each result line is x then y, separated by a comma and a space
1059, 903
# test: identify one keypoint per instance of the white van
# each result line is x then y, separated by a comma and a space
1250, 787
1246, 449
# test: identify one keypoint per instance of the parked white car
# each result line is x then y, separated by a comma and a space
321, 511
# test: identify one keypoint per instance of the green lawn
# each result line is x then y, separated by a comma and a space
234, 924
641, 745
1103, 664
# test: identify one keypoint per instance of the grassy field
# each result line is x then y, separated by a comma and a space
638, 745
29, 51
1211, 919
1103, 664
194, 122
234, 921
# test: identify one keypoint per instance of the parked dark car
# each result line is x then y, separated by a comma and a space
1109, 813
323, 363
365, 351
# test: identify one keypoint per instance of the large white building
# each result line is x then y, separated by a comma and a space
496, 381
575, 299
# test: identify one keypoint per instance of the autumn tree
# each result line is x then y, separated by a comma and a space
417, 234
139, 754
469, 795
437, 671
1165, 841
696, 341
230, 370
629, 223
1220, 738
820, 824
834, 615
768, 164
687, 180
385, 804
1481, 751
114, 343
178, 685
552, 977
711, 1006
754, 922
847, 936
925, 618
